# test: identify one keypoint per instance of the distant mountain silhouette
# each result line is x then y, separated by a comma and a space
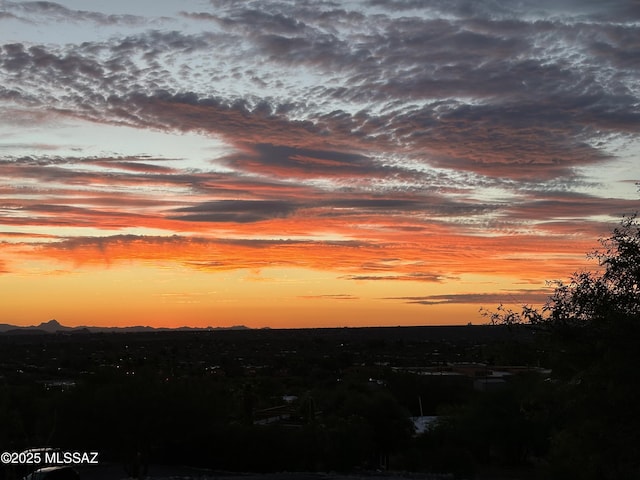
53, 326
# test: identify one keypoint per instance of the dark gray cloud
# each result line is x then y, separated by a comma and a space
569, 10
252, 20
336, 296
262, 243
570, 205
51, 11
520, 297
75, 170
303, 161
239, 211
414, 277
314, 204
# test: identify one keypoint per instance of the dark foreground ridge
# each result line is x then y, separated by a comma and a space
348, 400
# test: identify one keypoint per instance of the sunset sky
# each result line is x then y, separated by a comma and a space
308, 163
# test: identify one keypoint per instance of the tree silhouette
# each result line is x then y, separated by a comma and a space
591, 299
591, 332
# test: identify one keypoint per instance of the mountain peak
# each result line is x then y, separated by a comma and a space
52, 326
51, 323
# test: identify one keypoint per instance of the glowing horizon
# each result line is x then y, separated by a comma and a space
303, 165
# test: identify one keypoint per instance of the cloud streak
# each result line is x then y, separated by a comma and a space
523, 297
